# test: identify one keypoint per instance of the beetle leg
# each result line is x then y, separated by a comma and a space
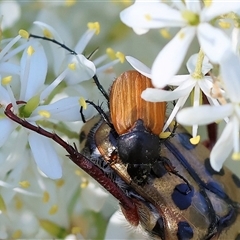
171, 169
81, 161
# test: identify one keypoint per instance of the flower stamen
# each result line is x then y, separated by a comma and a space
94, 26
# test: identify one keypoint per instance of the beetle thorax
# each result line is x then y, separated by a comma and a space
138, 146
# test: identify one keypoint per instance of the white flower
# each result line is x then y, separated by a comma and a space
83, 69
235, 40
186, 84
33, 69
8, 20
193, 20
31, 202
229, 140
116, 222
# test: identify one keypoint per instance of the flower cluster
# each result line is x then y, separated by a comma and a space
213, 73
24, 87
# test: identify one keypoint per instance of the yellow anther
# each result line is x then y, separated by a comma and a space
172, 124
72, 66
17, 234
45, 197
148, 17
75, 230
84, 183
126, 2
53, 209
224, 25
82, 102
60, 183
18, 203
44, 113
30, 50
24, 184
6, 80
111, 54
164, 135
207, 3
165, 33
236, 156
195, 140
3, 207
94, 26
181, 35
47, 33
78, 172
70, 3
23, 33
120, 56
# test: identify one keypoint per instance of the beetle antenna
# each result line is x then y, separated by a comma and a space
55, 42
100, 111
100, 88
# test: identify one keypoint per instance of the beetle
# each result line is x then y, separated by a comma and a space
176, 192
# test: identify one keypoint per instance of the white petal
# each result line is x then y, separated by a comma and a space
33, 72
118, 229
144, 15
4, 96
66, 109
196, 96
192, 62
9, 19
194, 6
235, 40
45, 156
230, 71
218, 8
178, 80
84, 40
6, 128
180, 102
55, 53
139, 66
213, 41
235, 133
171, 57
49, 88
140, 31
222, 148
85, 69
45, 26
9, 68
206, 86
203, 114
94, 197
159, 95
